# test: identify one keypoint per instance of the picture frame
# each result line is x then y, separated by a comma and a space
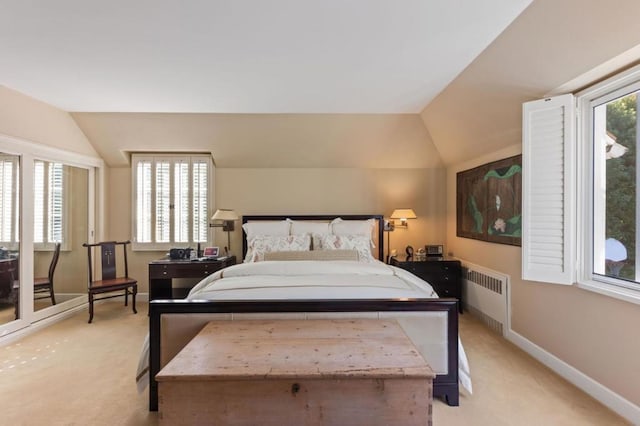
489, 202
211, 252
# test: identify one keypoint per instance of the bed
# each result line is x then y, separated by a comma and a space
296, 284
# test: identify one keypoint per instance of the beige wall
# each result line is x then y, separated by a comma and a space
478, 118
305, 191
591, 332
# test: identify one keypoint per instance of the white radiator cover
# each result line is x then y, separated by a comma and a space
485, 293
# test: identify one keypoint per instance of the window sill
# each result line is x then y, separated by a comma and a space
617, 292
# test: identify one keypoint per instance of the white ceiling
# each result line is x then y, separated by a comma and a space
248, 56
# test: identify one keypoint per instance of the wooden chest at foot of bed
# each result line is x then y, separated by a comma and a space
313, 372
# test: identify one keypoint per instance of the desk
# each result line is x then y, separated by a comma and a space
162, 272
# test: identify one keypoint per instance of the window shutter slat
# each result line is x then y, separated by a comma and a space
548, 220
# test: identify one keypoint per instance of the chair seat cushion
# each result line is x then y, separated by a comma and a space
41, 281
115, 283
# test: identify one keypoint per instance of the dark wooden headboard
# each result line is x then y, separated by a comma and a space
321, 218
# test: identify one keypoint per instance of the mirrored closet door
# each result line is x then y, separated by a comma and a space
61, 226
9, 237
48, 209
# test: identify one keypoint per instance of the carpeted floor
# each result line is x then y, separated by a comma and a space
74, 373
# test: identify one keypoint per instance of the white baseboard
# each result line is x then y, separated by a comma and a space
606, 396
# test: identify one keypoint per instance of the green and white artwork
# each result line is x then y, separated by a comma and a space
489, 202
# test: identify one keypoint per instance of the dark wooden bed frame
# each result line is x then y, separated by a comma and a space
444, 385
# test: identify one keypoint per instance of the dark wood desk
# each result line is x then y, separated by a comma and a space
162, 272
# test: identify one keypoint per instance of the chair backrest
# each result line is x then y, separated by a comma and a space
108, 258
54, 261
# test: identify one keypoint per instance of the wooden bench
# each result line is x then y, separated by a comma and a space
279, 372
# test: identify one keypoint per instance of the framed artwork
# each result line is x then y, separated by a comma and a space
489, 202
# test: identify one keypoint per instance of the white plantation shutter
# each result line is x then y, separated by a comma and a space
8, 199
163, 201
143, 191
55, 211
200, 205
171, 196
182, 201
549, 214
48, 202
39, 191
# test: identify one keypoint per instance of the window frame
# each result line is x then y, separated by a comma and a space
600, 93
173, 158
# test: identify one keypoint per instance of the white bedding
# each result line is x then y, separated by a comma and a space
311, 280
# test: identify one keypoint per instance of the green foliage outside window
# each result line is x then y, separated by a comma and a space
621, 180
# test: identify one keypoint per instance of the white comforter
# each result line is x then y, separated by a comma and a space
311, 280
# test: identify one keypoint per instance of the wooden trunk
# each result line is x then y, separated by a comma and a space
316, 372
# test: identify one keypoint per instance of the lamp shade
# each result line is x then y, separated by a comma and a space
403, 214
225, 214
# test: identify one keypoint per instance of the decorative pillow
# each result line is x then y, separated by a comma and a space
313, 255
360, 243
316, 229
254, 229
262, 244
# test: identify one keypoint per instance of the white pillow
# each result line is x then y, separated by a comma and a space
316, 229
253, 229
360, 243
262, 244
353, 227
303, 227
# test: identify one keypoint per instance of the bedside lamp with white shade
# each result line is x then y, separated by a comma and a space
402, 215
224, 218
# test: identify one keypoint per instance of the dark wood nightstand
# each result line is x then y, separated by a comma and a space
444, 275
161, 273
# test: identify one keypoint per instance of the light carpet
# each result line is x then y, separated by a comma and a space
74, 373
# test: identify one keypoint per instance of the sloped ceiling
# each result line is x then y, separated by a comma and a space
250, 56
551, 43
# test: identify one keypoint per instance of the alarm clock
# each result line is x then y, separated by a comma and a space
434, 250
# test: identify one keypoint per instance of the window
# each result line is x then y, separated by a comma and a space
609, 114
50, 212
172, 199
581, 188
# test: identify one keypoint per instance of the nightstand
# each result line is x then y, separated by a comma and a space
445, 276
161, 273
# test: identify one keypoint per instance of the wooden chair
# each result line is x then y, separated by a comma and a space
45, 284
110, 281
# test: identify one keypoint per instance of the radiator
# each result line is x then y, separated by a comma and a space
485, 293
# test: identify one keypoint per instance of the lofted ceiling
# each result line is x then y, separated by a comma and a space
249, 56
302, 83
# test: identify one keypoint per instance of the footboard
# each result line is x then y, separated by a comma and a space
197, 312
